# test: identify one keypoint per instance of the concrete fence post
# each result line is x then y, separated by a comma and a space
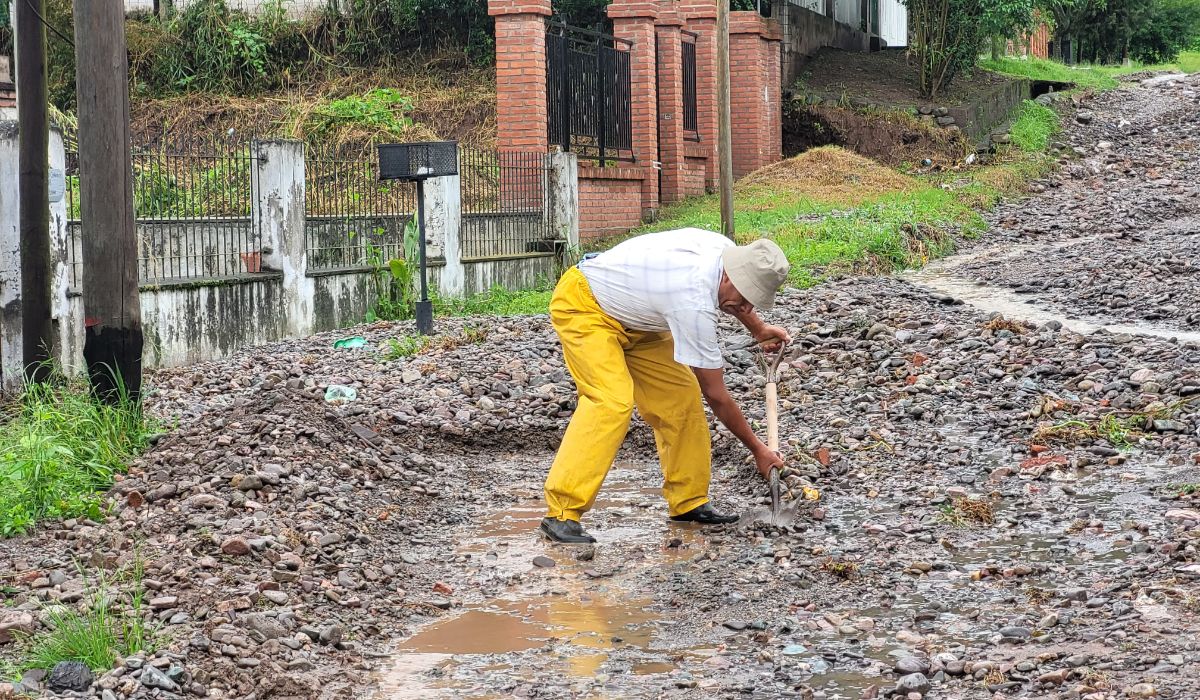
563, 195
443, 232
10, 262
278, 216
67, 334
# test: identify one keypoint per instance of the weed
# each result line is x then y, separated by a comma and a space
1097, 679
964, 512
993, 677
1037, 596
382, 110
60, 448
107, 625
842, 569
1184, 489
405, 346
1003, 324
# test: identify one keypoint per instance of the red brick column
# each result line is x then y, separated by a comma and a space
701, 18
520, 74
670, 106
633, 20
755, 91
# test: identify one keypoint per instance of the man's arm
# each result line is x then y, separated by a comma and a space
712, 385
768, 335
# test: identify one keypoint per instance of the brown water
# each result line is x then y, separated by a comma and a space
573, 615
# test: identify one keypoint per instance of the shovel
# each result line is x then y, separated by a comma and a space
779, 515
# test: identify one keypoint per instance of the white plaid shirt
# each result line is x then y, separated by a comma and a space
665, 282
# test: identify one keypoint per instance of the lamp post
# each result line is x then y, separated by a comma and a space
418, 162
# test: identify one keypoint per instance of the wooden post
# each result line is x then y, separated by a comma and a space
724, 126
34, 177
111, 308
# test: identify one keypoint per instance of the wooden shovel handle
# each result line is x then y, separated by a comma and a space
772, 416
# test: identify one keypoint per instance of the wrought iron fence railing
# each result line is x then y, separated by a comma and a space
691, 120
589, 92
504, 202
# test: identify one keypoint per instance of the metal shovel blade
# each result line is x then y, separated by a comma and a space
778, 515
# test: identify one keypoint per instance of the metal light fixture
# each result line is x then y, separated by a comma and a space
417, 162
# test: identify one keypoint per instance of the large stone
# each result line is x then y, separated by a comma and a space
13, 623
235, 547
912, 683
70, 676
154, 678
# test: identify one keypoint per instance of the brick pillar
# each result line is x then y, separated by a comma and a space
701, 18
755, 91
520, 74
633, 20
670, 106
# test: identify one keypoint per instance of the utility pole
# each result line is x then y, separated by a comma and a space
724, 124
37, 329
111, 309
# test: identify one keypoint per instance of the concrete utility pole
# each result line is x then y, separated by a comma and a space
724, 125
111, 309
34, 185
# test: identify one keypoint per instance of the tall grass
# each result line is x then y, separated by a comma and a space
1034, 127
59, 447
499, 301
107, 626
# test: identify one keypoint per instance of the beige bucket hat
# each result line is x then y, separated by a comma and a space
757, 271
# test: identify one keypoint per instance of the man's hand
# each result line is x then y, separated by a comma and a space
765, 459
771, 337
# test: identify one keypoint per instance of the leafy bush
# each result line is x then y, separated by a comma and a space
59, 449
382, 110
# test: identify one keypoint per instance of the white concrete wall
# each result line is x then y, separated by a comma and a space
893, 22
294, 8
194, 320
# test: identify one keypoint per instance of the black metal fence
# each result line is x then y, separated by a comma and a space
691, 121
352, 220
504, 199
192, 203
589, 93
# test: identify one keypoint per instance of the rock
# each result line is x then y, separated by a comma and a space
13, 624
1166, 425
1141, 690
265, 626
153, 678
912, 683
543, 562
1015, 633
1183, 515
1057, 677
235, 547
331, 634
911, 664
1085, 117
70, 676
735, 625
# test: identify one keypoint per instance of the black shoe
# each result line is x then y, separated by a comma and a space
705, 515
565, 531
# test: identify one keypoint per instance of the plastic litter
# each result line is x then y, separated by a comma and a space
336, 393
356, 341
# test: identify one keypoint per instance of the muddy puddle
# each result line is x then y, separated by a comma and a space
580, 618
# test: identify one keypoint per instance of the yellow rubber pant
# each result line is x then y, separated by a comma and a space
614, 370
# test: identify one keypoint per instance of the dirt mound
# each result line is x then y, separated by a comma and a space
894, 138
829, 173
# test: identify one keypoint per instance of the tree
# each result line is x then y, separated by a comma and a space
946, 36
1006, 19
1070, 16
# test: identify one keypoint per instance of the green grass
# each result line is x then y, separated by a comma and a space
1034, 127
821, 239
58, 449
1085, 76
499, 302
109, 625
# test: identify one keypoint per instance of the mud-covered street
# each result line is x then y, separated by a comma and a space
1006, 445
